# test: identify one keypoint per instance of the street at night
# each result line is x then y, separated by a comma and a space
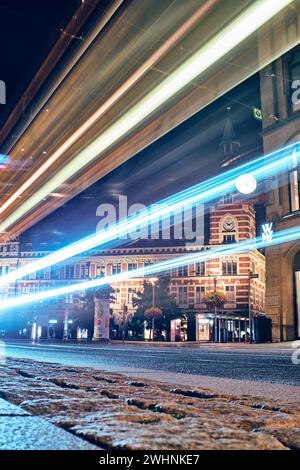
149, 231
268, 365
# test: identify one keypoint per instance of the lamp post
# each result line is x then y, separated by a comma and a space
124, 312
251, 275
153, 281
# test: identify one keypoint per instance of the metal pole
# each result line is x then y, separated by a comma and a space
123, 324
153, 303
249, 308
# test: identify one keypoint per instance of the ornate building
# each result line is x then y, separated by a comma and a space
280, 95
230, 221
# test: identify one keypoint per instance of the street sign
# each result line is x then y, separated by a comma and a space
253, 276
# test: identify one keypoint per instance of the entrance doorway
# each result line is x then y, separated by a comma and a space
297, 293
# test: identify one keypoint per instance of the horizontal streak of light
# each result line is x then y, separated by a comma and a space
231, 36
262, 168
110, 102
278, 237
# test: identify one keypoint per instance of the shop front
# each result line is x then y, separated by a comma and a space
222, 327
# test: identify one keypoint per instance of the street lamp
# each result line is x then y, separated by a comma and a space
153, 281
251, 275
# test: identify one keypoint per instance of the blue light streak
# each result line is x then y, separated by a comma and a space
261, 168
283, 236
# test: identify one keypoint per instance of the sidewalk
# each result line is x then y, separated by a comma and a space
19, 430
208, 344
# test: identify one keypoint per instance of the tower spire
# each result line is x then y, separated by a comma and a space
230, 146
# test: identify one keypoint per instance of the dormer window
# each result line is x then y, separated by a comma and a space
227, 199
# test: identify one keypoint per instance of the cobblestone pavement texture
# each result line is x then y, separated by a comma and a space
112, 411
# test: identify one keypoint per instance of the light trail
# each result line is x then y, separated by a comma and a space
231, 36
124, 88
264, 167
255, 243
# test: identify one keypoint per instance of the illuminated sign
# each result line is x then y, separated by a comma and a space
267, 232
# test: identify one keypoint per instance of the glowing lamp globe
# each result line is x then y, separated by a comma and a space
246, 184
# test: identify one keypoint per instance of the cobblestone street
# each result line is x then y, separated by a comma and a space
113, 412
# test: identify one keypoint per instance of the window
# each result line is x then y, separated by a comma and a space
230, 293
294, 190
116, 268
182, 295
148, 263
40, 274
87, 269
132, 266
229, 268
200, 293
182, 271
130, 294
227, 199
54, 274
100, 270
229, 239
82, 270
200, 268
117, 294
293, 65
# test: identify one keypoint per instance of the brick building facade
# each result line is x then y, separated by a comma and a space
230, 222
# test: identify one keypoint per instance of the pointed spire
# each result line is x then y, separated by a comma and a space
230, 146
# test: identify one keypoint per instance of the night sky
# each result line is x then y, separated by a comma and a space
187, 155
28, 31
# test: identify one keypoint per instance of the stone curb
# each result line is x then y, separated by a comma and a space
19, 430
